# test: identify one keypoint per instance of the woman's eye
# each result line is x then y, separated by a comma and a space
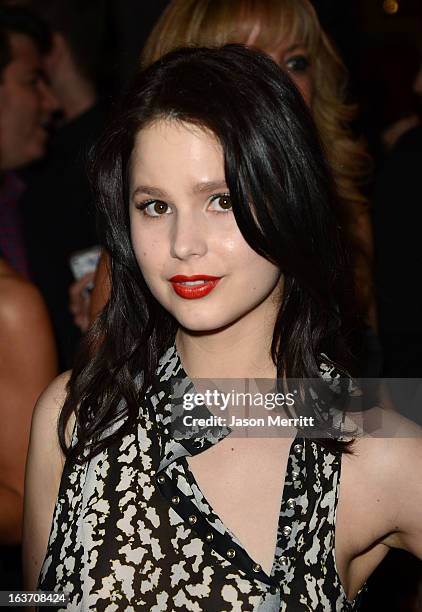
221, 203
154, 208
297, 63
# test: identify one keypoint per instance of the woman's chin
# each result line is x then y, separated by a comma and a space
199, 328
203, 325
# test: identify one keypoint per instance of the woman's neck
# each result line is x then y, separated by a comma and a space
240, 350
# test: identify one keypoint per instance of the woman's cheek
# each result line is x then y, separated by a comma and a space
306, 87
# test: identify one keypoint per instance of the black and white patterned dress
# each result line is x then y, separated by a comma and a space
132, 531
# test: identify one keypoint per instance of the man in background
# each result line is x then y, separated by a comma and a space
26, 105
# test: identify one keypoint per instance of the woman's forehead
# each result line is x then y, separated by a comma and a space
168, 130
176, 150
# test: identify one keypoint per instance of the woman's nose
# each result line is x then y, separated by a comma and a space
188, 236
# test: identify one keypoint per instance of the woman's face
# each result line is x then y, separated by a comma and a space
294, 58
186, 240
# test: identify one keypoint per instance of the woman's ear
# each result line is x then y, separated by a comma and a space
53, 60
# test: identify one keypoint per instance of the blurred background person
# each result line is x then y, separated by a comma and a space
57, 207
26, 106
27, 364
28, 359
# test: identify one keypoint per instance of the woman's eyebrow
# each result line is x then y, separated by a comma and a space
149, 190
206, 186
201, 187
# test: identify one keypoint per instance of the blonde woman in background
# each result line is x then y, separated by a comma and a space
290, 32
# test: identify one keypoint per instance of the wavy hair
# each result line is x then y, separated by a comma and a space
284, 202
272, 23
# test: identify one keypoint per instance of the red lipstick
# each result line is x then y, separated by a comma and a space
190, 288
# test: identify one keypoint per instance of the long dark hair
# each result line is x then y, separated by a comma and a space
284, 202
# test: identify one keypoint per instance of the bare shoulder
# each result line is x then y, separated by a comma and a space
20, 301
55, 394
14, 286
394, 449
44, 469
380, 499
47, 411
396, 445
384, 476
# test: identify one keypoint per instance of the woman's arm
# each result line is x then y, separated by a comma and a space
42, 479
85, 306
27, 365
406, 494
391, 464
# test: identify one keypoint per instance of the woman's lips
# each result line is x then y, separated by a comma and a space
193, 287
